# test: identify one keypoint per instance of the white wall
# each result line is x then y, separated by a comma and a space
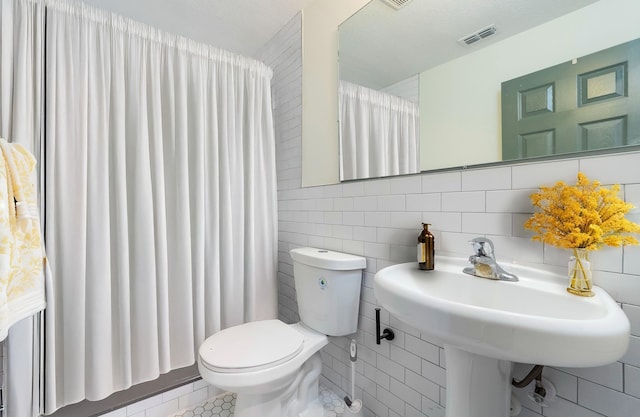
467, 89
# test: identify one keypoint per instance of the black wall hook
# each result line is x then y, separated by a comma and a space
386, 333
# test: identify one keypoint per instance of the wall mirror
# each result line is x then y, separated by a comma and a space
418, 53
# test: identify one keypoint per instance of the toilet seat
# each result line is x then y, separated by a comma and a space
251, 347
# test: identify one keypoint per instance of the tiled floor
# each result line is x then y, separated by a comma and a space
220, 406
223, 406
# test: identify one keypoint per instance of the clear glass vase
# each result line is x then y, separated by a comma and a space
580, 282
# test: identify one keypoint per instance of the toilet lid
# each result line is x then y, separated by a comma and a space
251, 346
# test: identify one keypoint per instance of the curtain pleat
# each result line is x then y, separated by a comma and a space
379, 133
161, 199
21, 75
21, 51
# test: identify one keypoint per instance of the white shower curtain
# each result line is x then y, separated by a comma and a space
378, 133
21, 74
160, 199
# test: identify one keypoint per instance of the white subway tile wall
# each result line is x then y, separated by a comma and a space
406, 377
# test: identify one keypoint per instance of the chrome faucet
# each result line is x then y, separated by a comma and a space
484, 262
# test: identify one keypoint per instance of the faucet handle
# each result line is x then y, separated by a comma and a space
482, 246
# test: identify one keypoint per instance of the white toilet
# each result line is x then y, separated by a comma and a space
273, 367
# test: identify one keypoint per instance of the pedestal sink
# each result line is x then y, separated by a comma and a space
486, 325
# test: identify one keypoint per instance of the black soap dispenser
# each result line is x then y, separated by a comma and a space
426, 249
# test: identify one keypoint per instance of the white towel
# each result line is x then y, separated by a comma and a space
21, 250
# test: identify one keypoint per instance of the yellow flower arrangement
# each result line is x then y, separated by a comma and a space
584, 215
581, 217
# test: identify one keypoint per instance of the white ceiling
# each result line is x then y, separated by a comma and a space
240, 26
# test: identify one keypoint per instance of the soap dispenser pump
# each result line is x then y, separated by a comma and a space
426, 249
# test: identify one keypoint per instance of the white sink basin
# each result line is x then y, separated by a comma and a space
534, 320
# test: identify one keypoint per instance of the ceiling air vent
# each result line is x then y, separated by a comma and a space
396, 4
476, 36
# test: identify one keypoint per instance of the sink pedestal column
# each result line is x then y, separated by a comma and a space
477, 386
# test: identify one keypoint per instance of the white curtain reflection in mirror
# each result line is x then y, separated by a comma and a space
379, 133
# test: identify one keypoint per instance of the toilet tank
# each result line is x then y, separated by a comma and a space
328, 289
